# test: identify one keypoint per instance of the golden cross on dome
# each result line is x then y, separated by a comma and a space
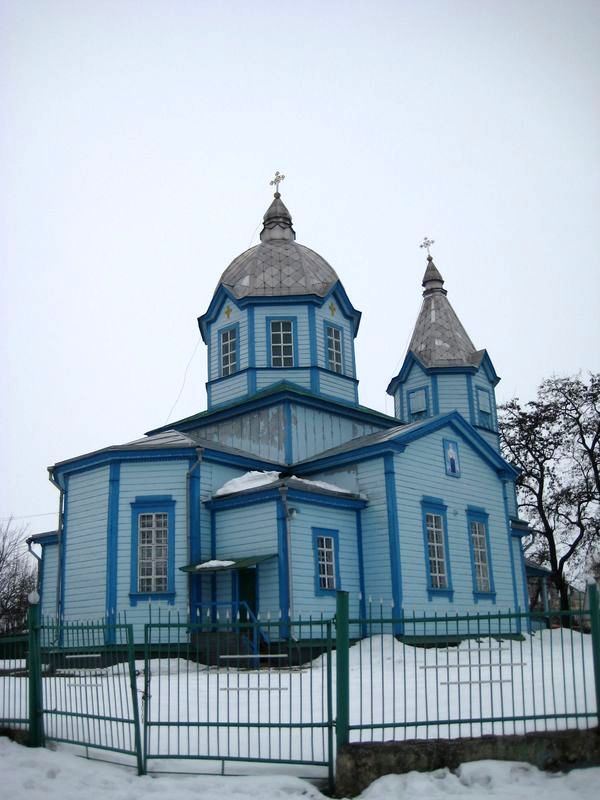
228, 311
277, 180
332, 308
426, 243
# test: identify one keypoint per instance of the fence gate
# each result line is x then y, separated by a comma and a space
88, 686
227, 690
14, 680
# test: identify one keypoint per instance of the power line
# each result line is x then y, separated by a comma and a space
28, 516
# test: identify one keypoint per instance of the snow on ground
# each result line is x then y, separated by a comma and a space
218, 712
40, 774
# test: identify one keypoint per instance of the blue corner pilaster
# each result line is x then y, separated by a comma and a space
195, 538
213, 555
394, 537
112, 542
283, 564
511, 551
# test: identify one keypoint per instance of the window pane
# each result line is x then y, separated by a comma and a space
228, 351
326, 563
418, 401
334, 349
436, 551
480, 556
152, 552
282, 343
483, 400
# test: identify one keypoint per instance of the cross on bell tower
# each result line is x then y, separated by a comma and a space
276, 181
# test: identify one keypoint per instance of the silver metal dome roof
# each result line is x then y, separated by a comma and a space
278, 265
439, 338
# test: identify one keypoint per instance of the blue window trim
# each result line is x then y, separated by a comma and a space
153, 504
282, 318
447, 443
484, 420
235, 326
477, 514
334, 534
328, 324
435, 505
419, 415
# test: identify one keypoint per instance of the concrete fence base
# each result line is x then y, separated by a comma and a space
358, 765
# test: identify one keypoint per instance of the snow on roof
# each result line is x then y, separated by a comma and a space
255, 479
249, 480
214, 563
329, 487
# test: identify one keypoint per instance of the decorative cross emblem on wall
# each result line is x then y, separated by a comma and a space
426, 243
228, 311
332, 308
277, 180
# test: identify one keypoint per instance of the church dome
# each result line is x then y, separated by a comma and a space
278, 266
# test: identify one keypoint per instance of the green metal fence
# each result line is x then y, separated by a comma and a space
239, 691
14, 680
223, 689
467, 675
89, 686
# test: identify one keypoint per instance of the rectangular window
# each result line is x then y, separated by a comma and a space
484, 407
479, 542
153, 533
228, 351
417, 403
282, 343
326, 562
438, 574
334, 349
480, 557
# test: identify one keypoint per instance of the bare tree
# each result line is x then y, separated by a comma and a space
17, 576
555, 442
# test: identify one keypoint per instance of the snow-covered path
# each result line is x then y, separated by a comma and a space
39, 774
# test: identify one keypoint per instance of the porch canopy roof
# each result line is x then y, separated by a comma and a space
222, 565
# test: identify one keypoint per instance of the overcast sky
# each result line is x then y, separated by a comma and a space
137, 141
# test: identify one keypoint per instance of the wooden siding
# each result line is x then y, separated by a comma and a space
480, 380
420, 471
314, 431
49, 567
228, 389
345, 478
239, 316
300, 312
262, 433
86, 554
453, 394
376, 545
144, 479
333, 385
250, 531
259, 433
212, 477
306, 602
322, 317
416, 379
267, 377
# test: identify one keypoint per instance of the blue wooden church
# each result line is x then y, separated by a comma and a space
285, 489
